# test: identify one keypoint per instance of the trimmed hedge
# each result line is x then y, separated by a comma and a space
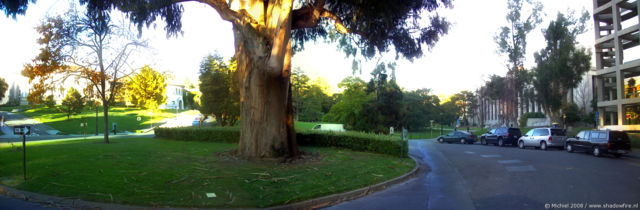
212, 134
382, 144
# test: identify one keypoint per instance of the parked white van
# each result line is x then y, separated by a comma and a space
329, 127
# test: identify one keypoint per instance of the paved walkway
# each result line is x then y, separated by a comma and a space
13, 119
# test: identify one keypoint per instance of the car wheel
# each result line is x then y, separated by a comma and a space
500, 142
462, 141
569, 148
543, 145
521, 144
596, 151
440, 140
483, 141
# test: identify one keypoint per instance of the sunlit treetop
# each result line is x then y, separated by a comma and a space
371, 27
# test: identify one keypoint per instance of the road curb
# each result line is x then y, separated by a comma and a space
334, 199
329, 200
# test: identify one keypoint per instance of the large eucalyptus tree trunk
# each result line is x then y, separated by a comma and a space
264, 70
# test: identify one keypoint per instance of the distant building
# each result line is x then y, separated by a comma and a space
617, 73
174, 97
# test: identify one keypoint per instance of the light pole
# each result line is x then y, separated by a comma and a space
441, 124
564, 120
431, 129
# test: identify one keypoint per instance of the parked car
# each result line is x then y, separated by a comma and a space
501, 136
600, 142
458, 136
196, 121
543, 138
329, 127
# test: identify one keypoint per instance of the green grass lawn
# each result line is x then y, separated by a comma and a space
126, 119
156, 172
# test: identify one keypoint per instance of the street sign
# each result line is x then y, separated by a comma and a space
597, 117
21, 130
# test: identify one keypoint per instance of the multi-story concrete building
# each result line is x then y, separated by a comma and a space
617, 55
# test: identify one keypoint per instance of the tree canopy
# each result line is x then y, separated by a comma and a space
72, 103
561, 64
220, 96
405, 27
147, 89
3, 88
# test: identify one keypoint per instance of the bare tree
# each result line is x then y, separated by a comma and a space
583, 95
87, 47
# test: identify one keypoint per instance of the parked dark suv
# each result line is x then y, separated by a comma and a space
501, 136
600, 142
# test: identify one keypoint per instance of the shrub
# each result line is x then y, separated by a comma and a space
572, 112
526, 116
212, 134
49, 101
382, 144
589, 118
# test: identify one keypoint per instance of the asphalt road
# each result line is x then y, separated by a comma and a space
490, 177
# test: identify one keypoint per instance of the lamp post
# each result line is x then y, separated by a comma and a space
441, 124
431, 129
564, 120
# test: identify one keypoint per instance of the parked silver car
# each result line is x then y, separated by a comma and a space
543, 138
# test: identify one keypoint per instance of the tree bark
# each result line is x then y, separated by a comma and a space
266, 110
105, 113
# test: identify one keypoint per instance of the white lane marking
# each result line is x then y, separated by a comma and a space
490, 156
509, 161
469, 152
520, 168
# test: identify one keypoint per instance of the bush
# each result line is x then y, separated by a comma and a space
526, 116
589, 119
49, 101
212, 134
572, 112
382, 144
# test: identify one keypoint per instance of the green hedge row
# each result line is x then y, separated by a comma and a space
212, 134
382, 144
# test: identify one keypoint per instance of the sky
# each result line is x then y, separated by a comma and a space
462, 60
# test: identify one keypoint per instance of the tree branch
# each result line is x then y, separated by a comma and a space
226, 13
309, 17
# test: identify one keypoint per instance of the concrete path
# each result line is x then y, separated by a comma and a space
13, 119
